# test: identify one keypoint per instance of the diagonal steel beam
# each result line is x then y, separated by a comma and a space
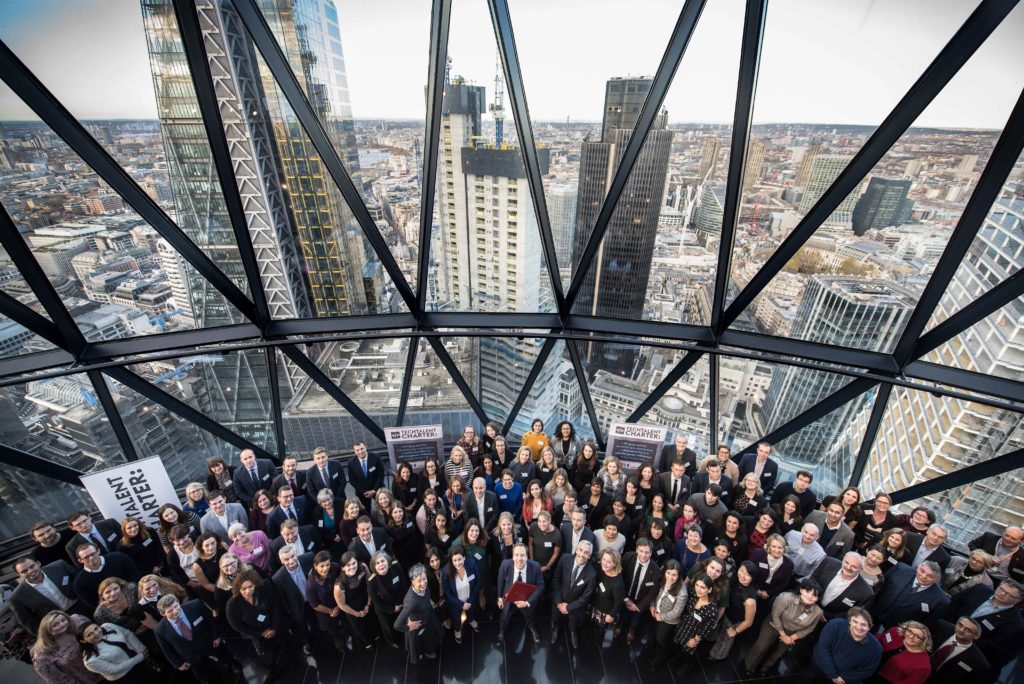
681, 35
979, 471
870, 433
538, 364
263, 38
20, 253
750, 58
713, 380
202, 81
22, 460
410, 368
456, 375
27, 318
527, 145
64, 124
138, 384
99, 386
320, 378
673, 376
987, 385
844, 394
978, 310
440, 20
943, 68
588, 402
273, 379
1004, 156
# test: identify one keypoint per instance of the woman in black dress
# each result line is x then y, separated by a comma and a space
439, 536
740, 613
875, 522
585, 467
432, 477
220, 478
434, 561
386, 586
698, 621
406, 540
142, 545
353, 598
252, 612
207, 567
606, 601
731, 531
407, 487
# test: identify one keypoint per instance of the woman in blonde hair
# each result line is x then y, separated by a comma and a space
151, 588
964, 573
904, 654
56, 654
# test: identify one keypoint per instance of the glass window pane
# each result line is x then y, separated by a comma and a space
434, 399
686, 406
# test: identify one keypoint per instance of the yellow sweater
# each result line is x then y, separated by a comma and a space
536, 442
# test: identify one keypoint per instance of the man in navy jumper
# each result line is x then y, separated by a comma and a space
846, 653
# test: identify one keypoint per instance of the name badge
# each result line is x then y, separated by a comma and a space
490, 509
334, 476
112, 537
359, 576
478, 556
763, 565
725, 493
648, 584
848, 602
601, 586
320, 523
309, 546
891, 560
147, 542
412, 490
471, 578
697, 617
257, 550
198, 621
659, 552
925, 608
766, 474
409, 524
987, 625
261, 618
803, 617
800, 551
964, 665
371, 469
502, 497
64, 581
545, 470
395, 580
547, 545
888, 638
267, 476
580, 583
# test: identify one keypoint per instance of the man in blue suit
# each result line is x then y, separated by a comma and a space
365, 473
289, 507
188, 638
519, 569
910, 594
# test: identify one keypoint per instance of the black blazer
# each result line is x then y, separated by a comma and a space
564, 590
252, 620
389, 590
300, 483
648, 589
669, 454
702, 480
245, 488
109, 530
310, 542
666, 488
380, 542
1001, 632
781, 578
30, 606
967, 667
939, 555
859, 593
487, 517
277, 516
290, 600
179, 650
314, 482
374, 478
769, 474
586, 535
506, 578
896, 604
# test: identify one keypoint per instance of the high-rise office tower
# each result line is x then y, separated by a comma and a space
884, 203
561, 201
616, 283
804, 173
824, 170
844, 311
755, 162
923, 436
709, 157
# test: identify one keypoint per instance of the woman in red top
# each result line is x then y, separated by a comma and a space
535, 501
904, 655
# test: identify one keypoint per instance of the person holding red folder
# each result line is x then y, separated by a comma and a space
520, 585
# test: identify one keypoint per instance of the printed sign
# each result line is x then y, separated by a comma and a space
137, 489
635, 444
414, 445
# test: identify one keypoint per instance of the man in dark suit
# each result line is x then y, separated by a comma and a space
96, 568
290, 583
519, 569
290, 476
1002, 627
300, 538
574, 531
482, 505
641, 575
571, 588
252, 475
325, 474
51, 545
713, 475
842, 587
366, 473
104, 534
43, 589
1007, 551
676, 485
369, 540
679, 452
928, 547
835, 536
188, 637
910, 594
761, 465
289, 507
957, 658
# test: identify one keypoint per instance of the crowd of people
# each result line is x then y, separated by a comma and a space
681, 557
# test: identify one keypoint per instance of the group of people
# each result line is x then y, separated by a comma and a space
673, 556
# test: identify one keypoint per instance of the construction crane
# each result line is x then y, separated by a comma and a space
497, 107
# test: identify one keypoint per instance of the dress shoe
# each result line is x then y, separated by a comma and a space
554, 636
630, 638
572, 640
500, 640
535, 634
430, 656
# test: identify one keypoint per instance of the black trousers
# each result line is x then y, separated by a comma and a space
506, 615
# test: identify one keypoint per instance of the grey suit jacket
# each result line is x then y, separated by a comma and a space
30, 606
234, 512
842, 540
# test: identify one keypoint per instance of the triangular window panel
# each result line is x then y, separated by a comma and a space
18, 340
686, 407
434, 398
856, 282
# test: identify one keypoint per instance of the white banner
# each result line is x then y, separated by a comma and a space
635, 444
138, 489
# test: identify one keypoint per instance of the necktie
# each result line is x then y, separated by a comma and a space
675, 490
300, 581
291, 483
939, 657
98, 540
323, 476
252, 475
291, 513
185, 630
576, 573
363, 462
635, 585
521, 577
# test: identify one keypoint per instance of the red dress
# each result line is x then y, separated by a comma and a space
901, 666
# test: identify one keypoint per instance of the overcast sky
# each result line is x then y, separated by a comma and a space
824, 61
